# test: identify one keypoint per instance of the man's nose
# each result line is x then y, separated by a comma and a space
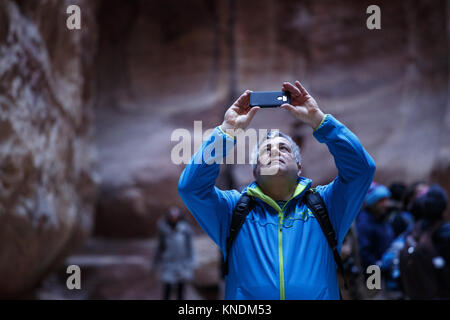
274, 151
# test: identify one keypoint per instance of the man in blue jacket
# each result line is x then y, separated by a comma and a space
280, 251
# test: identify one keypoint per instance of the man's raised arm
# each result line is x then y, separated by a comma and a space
209, 205
356, 168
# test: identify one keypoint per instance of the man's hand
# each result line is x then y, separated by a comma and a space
239, 115
302, 106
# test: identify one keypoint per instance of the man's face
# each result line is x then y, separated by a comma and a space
276, 157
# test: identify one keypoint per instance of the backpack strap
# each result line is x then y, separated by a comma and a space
240, 212
315, 203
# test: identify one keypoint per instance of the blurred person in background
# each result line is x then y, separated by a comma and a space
375, 233
425, 257
416, 190
352, 266
400, 219
174, 254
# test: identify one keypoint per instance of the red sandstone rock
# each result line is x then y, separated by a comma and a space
47, 186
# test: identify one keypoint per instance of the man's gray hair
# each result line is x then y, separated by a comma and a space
272, 134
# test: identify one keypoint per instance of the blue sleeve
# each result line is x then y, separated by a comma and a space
211, 207
345, 195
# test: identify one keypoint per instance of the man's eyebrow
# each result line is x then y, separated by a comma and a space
279, 143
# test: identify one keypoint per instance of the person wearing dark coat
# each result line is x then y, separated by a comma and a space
375, 234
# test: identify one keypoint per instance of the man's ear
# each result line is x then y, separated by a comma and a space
299, 169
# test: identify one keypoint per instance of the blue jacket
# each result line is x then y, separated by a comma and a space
374, 238
279, 253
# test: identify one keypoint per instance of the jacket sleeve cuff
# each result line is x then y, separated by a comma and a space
226, 134
321, 122
323, 131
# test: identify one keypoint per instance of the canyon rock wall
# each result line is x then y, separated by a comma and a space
47, 181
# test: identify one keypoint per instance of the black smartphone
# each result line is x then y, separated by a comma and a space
269, 99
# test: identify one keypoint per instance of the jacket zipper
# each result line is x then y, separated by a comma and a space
280, 253
280, 211
280, 250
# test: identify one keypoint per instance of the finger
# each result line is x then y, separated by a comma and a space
293, 90
288, 107
244, 100
301, 88
252, 113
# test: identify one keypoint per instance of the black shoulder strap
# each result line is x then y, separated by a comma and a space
316, 204
240, 212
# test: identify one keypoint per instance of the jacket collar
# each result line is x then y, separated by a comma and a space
253, 189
